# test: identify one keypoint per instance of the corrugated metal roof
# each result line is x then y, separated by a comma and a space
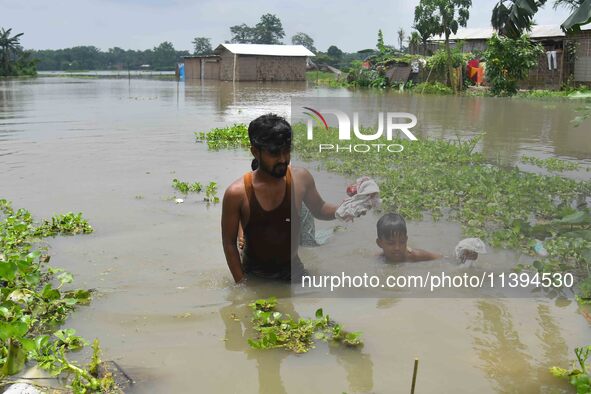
267, 50
484, 33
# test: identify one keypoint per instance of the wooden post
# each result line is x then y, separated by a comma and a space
234, 70
414, 376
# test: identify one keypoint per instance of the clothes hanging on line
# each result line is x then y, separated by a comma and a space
552, 60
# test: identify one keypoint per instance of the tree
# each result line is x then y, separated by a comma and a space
581, 16
426, 28
414, 42
242, 34
305, 40
508, 61
444, 17
164, 56
202, 46
269, 30
381, 46
401, 34
511, 18
9, 47
334, 52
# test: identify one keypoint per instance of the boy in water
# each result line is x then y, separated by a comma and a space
392, 240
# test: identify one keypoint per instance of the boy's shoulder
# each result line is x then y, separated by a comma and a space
421, 255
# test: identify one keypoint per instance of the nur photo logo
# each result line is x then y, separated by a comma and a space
390, 124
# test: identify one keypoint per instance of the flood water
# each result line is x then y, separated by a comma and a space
166, 308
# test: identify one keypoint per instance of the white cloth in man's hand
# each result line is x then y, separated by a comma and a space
366, 198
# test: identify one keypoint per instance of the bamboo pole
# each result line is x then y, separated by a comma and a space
414, 376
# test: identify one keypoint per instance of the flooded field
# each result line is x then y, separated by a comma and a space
166, 308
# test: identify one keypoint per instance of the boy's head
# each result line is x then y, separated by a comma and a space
270, 144
392, 236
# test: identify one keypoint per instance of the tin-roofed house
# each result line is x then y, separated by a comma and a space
250, 62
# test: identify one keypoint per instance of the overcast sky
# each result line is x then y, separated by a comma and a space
143, 24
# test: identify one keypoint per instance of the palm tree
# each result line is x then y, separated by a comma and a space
511, 20
414, 42
401, 36
8, 45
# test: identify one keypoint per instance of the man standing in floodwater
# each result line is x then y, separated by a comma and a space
262, 201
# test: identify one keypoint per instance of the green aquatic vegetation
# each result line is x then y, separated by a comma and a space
578, 375
211, 193
278, 330
211, 190
235, 136
551, 164
33, 301
66, 224
185, 187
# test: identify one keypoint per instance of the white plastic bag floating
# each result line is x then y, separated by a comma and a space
364, 195
469, 245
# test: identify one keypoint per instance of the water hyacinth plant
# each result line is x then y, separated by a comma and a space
185, 188
276, 330
235, 136
34, 303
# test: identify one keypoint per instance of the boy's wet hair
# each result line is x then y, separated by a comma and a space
270, 132
389, 224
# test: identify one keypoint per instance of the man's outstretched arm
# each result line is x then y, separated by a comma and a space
319, 208
230, 224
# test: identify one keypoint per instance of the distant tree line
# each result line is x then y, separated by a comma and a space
161, 57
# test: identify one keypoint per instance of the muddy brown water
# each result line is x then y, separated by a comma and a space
166, 308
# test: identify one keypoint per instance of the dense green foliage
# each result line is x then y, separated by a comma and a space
508, 61
14, 61
268, 30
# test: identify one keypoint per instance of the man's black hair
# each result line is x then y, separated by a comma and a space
270, 132
389, 224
